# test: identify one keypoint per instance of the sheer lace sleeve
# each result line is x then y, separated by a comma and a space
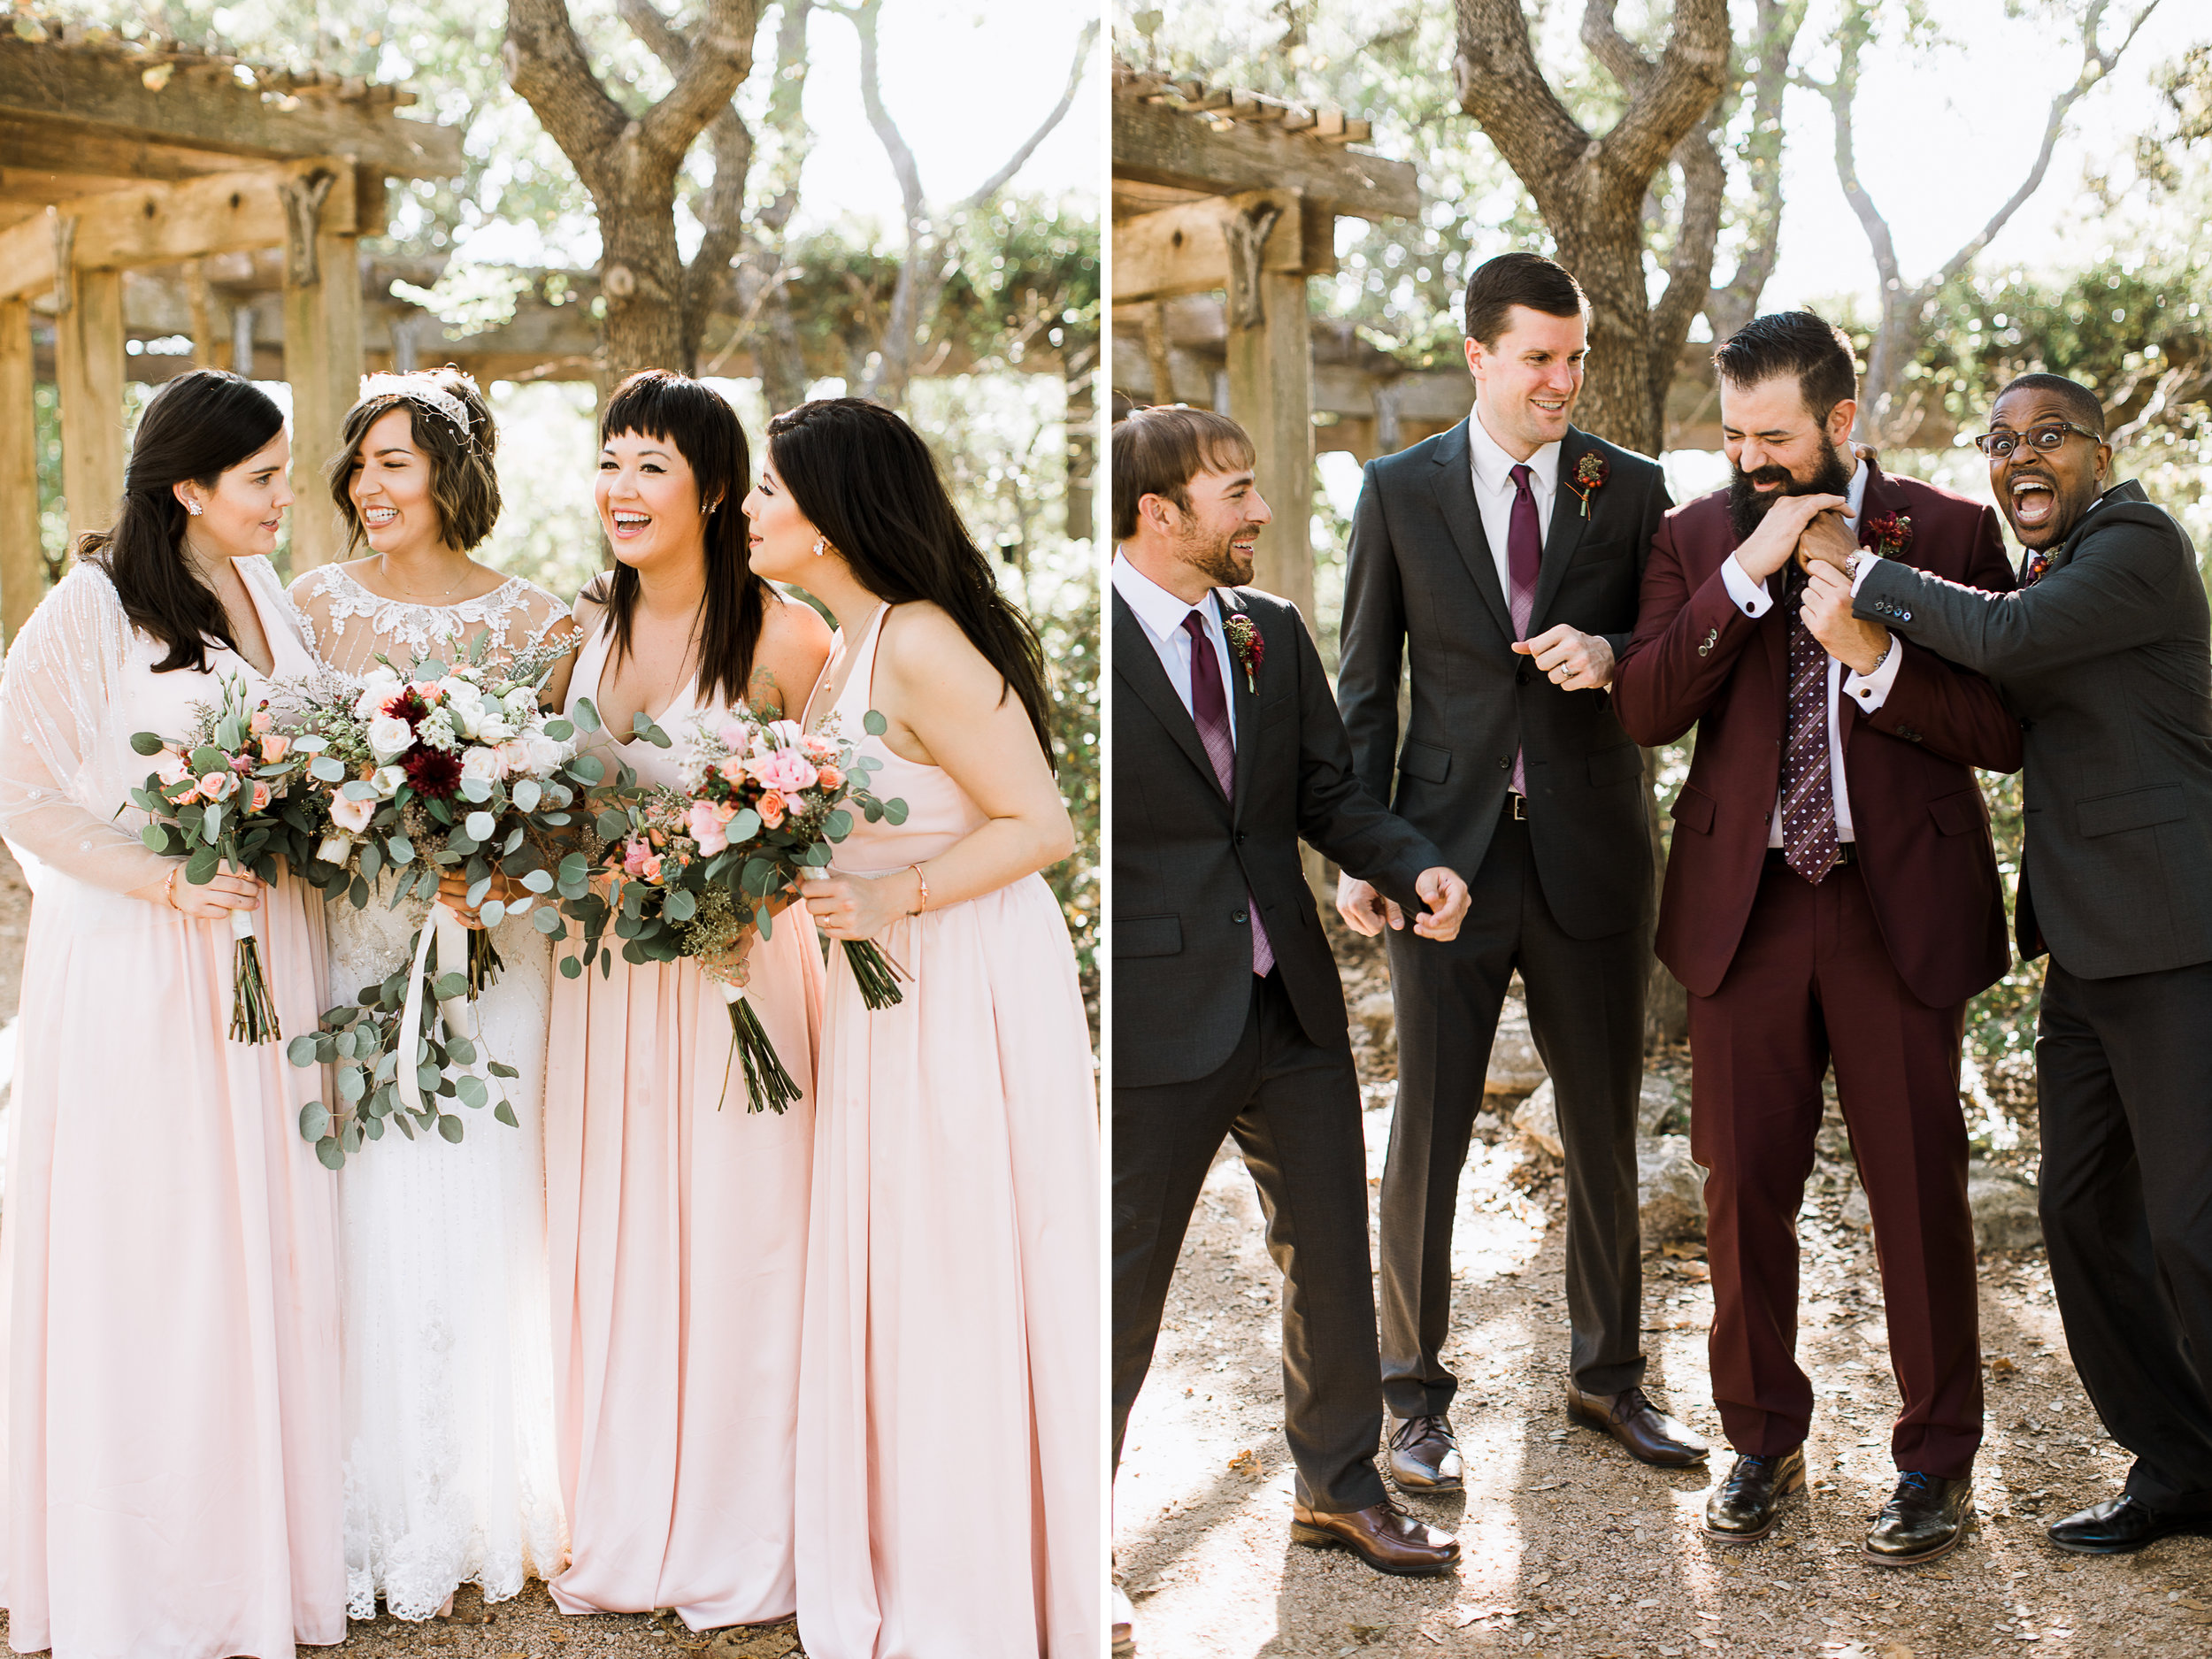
61, 763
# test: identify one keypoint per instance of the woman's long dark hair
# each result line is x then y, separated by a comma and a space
865, 480
196, 428
655, 404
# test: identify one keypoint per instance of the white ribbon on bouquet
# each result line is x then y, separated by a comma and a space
452, 937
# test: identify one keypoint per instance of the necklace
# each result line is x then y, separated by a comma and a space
384, 569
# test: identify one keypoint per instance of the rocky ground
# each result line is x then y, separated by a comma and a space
1571, 1549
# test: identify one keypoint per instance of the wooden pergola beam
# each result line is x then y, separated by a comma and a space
1153, 144
1185, 249
210, 107
165, 224
22, 574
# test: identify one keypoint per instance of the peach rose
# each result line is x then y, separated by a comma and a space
770, 806
261, 796
219, 786
274, 747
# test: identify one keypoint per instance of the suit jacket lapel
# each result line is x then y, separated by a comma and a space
1456, 497
1244, 709
1139, 665
1880, 496
1567, 522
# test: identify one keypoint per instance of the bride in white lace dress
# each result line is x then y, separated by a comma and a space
452, 1474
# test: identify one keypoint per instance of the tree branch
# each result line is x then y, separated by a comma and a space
1502, 86
1729, 308
546, 65
1675, 95
996, 183
904, 166
720, 57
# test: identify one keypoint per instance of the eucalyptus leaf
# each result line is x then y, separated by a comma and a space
874, 724
461, 1050
327, 768
352, 1083
356, 788
539, 882
590, 768
146, 743
445, 987
587, 715
314, 1120
560, 732
506, 1115
492, 913
527, 795
300, 1051
473, 1091
400, 850
480, 825
452, 1128
329, 1153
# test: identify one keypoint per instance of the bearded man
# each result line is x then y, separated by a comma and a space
1228, 1014
1830, 894
2103, 654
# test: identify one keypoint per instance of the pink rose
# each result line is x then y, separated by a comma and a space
219, 786
819, 747
260, 722
429, 690
274, 747
770, 806
242, 762
705, 825
785, 770
352, 816
261, 796
169, 766
635, 853
733, 736
649, 867
514, 758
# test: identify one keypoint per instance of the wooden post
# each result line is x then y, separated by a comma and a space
88, 366
22, 567
322, 357
202, 300
1271, 394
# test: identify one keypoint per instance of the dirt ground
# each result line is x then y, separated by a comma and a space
1569, 1548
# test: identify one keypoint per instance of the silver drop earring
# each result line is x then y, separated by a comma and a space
821, 546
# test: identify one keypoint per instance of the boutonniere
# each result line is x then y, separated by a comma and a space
1888, 534
1590, 472
1250, 649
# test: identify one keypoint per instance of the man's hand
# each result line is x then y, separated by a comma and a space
1770, 547
1363, 910
1571, 659
1826, 539
1857, 645
1447, 897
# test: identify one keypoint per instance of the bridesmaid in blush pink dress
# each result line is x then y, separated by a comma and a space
168, 1249
949, 1429
676, 1218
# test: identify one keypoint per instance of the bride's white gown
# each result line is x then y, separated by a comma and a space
452, 1475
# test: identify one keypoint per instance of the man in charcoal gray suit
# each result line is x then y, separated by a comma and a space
2105, 654
1228, 1015
1504, 557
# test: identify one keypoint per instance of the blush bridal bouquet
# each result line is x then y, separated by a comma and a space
433, 769
217, 800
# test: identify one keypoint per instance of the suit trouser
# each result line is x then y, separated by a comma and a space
1586, 1010
1293, 1109
1812, 979
2123, 1067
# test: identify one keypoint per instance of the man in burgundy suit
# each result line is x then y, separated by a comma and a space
1832, 894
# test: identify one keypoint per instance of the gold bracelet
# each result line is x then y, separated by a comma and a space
169, 888
923, 903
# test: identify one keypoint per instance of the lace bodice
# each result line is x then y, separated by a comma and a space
351, 626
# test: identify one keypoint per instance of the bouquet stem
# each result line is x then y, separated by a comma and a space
253, 1015
767, 1084
483, 961
875, 973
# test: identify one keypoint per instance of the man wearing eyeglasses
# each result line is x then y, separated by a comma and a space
2103, 653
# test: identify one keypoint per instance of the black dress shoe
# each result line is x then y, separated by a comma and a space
1744, 1506
1425, 1455
1924, 1517
1382, 1535
1650, 1435
2123, 1524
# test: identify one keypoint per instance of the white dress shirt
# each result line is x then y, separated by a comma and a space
1869, 691
1160, 613
1493, 470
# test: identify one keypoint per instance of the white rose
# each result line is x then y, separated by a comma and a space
491, 726
390, 735
377, 687
390, 780
521, 703
514, 758
545, 754
483, 764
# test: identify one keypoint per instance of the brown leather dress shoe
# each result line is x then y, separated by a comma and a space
1425, 1455
1124, 1622
1382, 1535
1650, 1435
1743, 1508
1924, 1517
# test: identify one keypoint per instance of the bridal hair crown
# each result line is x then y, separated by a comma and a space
419, 388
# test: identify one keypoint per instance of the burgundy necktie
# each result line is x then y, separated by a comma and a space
1209, 705
2037, 566
1808, 802
1524, 559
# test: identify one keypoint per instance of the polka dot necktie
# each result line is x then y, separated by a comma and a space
1808, 802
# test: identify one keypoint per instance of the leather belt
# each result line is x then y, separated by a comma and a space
1516, 809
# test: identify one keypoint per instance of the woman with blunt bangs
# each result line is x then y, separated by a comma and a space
167, 1254
450, 1473
677, 1219
949, 1446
